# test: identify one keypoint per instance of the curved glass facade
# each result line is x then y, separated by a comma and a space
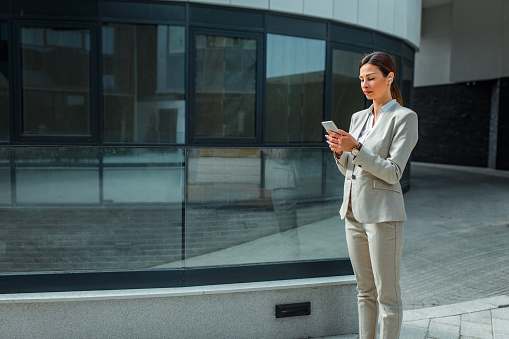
157, 144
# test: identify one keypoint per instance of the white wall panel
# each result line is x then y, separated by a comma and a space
291, 6
368, 13
346, 11
400, 18
386, 16
261, 4
321, 8
413, 17
213, 2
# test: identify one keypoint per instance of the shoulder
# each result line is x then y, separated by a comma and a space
360, 114
401, 113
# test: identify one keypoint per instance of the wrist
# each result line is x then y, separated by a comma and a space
356, 149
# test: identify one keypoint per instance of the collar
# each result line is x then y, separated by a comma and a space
385, 108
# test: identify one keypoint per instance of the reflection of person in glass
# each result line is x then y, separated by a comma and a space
282, 178
372, 156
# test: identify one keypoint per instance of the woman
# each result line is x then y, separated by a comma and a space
372, 156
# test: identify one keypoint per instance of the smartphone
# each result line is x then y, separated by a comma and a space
330, 126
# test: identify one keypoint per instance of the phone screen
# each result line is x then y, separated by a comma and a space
330, 126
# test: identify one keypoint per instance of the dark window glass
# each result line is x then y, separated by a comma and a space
4, 84
55, 75
347, 97
295, 89
225, 86
407, 83
143, 81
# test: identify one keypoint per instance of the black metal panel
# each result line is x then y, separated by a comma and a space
144, 11
77, 8
89, 281
408, 53
266, 272
225, 17
4, 6
62, 282
308, 28
387, 44
351, 35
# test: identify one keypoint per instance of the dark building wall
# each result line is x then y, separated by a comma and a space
503, 127
454, 123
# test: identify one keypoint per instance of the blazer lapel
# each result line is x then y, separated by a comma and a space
359, 124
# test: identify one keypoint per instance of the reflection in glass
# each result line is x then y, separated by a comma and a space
143, 176
55, 67
295, 89
347, 96
57, 176
5, 175
225, 86
60, 226
257, 206
4, 83
407, 84
143, 81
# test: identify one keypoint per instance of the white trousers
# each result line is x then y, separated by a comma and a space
375, 252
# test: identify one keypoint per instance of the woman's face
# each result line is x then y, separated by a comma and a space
373, 83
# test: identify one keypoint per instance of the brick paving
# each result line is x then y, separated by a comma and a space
456, 236
455, 264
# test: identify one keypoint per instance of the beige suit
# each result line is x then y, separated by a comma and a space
374, 211
373, 183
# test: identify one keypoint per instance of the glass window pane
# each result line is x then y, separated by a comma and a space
55, 67
57, 176
295, 89
407, 84
262, 205
77, 233
143, 176
5, 175
4, 83
225, 85
143, 81
347, 96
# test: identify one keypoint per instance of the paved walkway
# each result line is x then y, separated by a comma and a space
455, 268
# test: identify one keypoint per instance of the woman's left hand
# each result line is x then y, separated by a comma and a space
340, 142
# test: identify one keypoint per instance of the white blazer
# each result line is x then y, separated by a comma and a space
372, 178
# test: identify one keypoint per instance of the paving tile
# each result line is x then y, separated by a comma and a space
475, 306
501, 326
475, 330
452, 320
442, 311
483, 317
414, 315
500, 313
443, 331
498, 301
413, 332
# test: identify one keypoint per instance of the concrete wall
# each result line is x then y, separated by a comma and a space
400, 18
223, 311
463, 41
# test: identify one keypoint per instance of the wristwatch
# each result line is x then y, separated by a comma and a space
356, 149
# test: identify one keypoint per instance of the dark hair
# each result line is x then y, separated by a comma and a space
386, 65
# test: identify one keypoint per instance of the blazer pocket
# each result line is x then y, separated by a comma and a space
382, 185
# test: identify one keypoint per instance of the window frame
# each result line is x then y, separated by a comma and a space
192, 138
19, 134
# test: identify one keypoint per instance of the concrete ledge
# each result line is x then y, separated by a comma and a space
221, 311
